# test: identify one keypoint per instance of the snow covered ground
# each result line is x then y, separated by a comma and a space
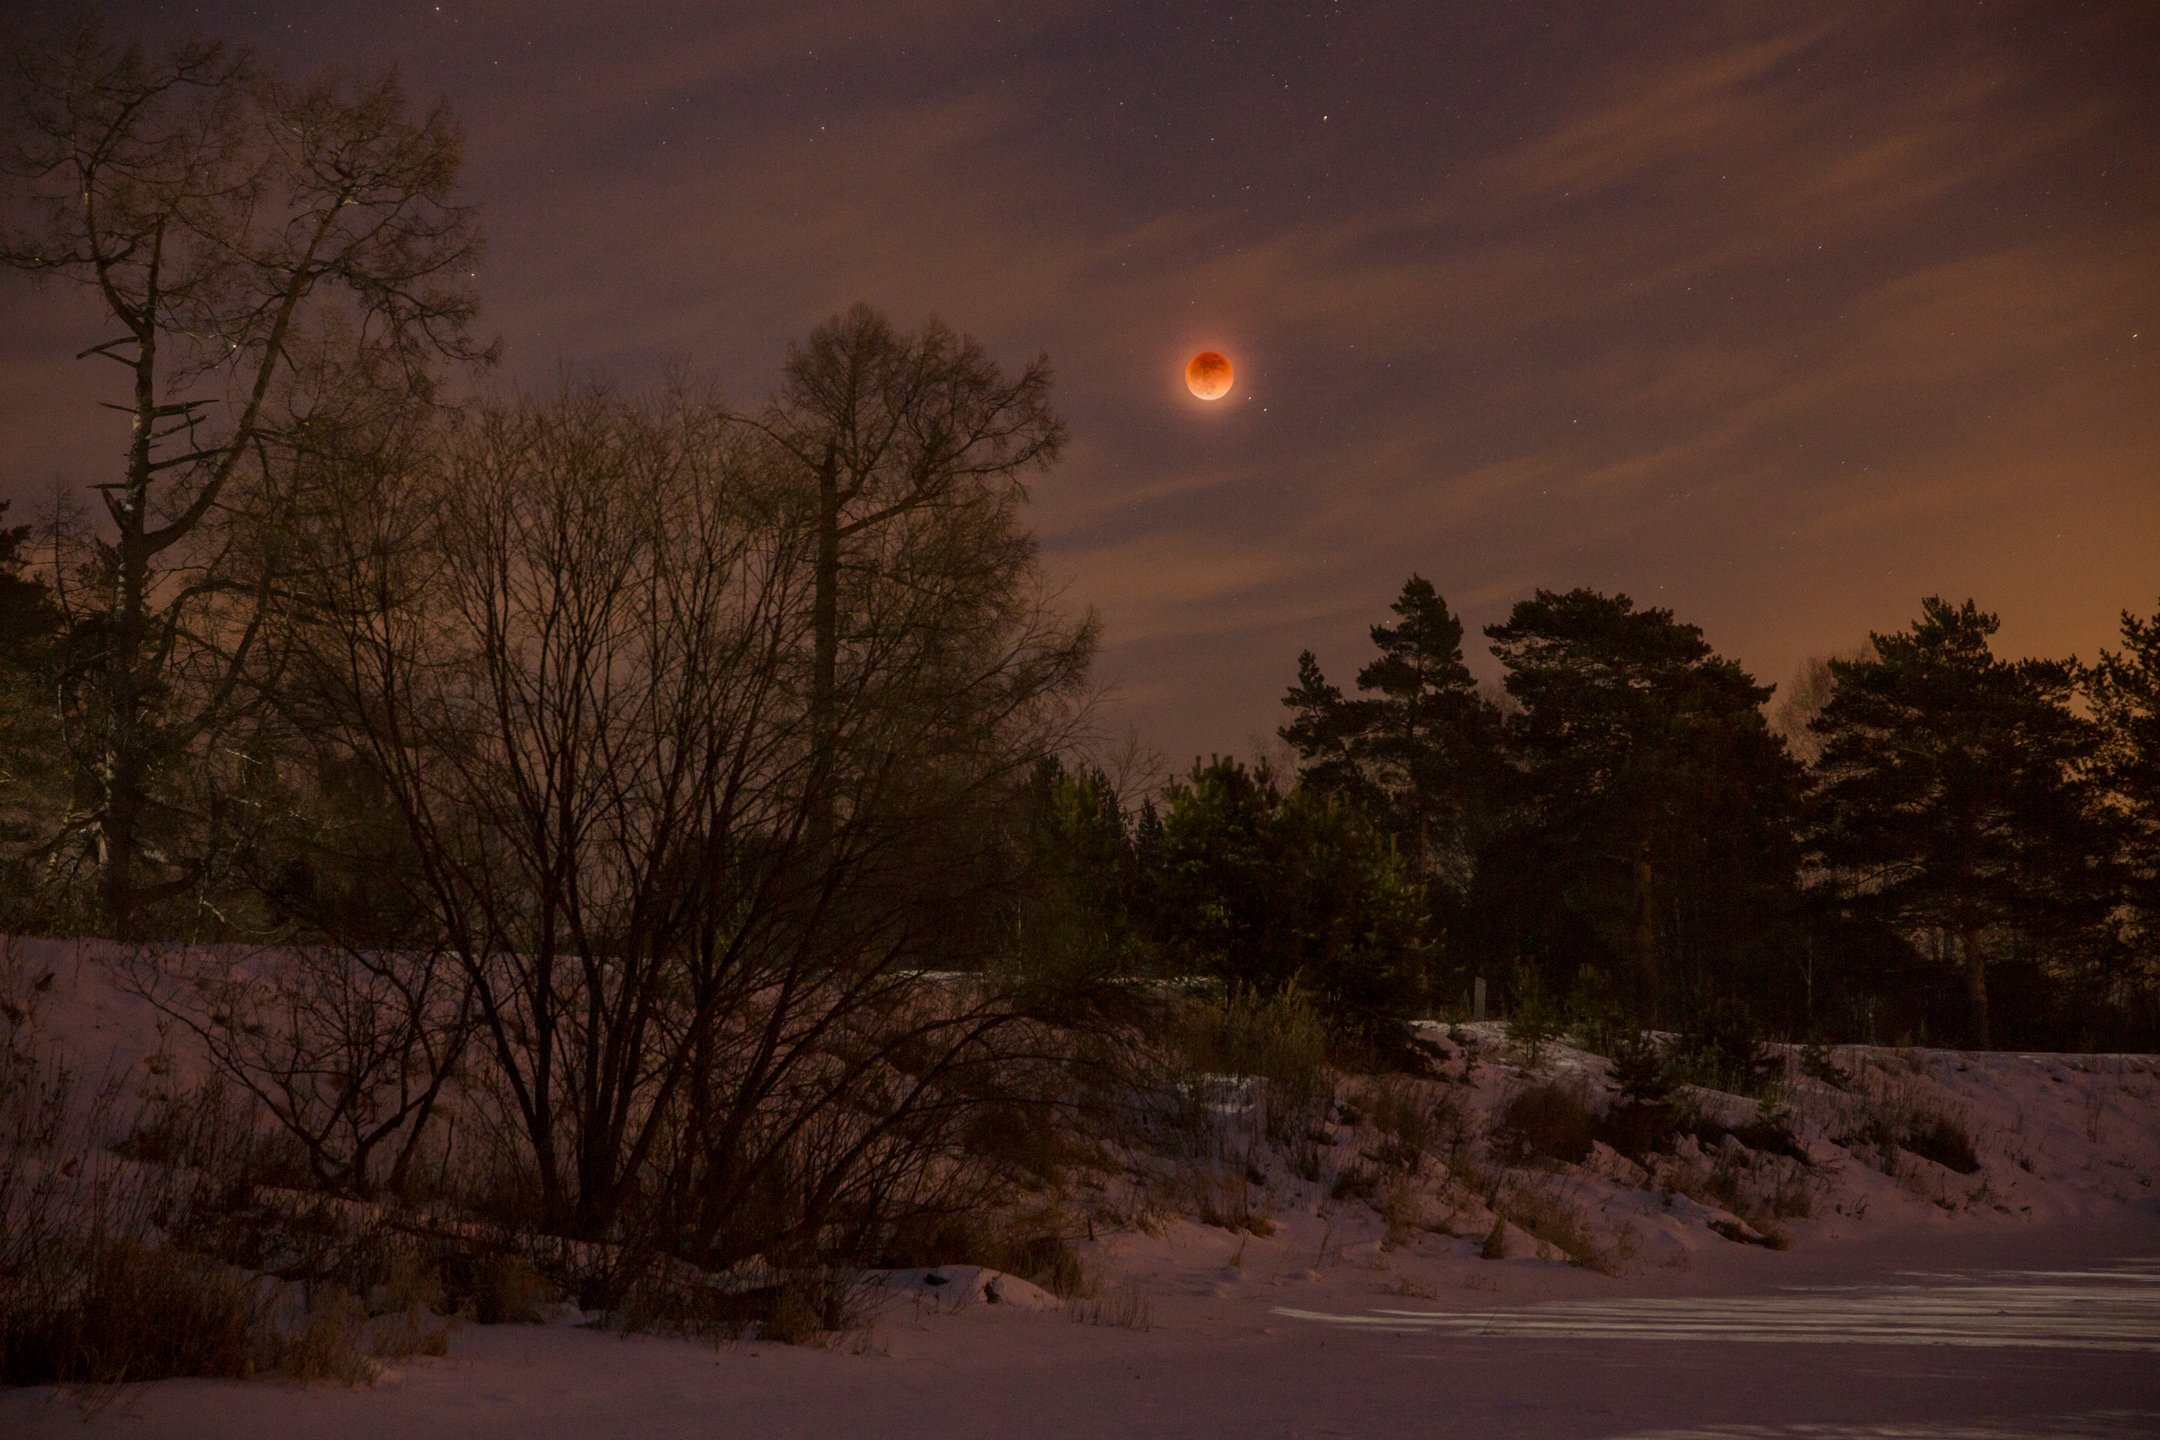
1912, 1300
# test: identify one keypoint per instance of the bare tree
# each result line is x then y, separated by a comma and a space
1803, 697
582, 650
881, 427
349, 1041
348, 1050
243, 235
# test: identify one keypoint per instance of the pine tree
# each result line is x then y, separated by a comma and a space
1215, 884
1265, 890
2123, 689
29, 619
1957, 797
1426, 736
1323, 728
1418, 749
1079, 922
34, 774
1657, 821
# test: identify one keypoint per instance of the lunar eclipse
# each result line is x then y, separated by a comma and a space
1207, 375
1845, 302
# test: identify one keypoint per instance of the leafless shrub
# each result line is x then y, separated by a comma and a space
120, 1267
346, 1050
710, 882
699, 733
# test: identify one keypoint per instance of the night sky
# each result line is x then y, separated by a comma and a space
1782, 316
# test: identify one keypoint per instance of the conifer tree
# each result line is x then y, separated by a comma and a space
1266, 889
1957, 794
1425, 735
1080, 920
28, 617
33, 771
1418, 748
1657, 822
1322, 729
2124, 690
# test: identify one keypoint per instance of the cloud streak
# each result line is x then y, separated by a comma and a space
1781, 318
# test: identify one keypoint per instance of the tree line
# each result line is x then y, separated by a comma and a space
1623, 837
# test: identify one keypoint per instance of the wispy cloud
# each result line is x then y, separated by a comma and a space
1778, 316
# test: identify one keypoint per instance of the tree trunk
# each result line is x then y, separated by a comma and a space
119, 834
1645, 937
825, 657
121, 765
1976, 987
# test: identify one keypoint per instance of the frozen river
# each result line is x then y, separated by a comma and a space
2111, 1307
2045, 1354
2050, 1346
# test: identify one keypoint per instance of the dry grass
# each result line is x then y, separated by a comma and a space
1404, 1118
1279, 1039
165, 1255
813, 1306
1034, 1244
1558, 1223
1356, 1182
1550, 1121
1124, 1307
1758, 1190
1228, 1197
1890, 1114
106, 1310
1403, 1209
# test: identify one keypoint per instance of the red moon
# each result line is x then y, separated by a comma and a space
1207, 375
